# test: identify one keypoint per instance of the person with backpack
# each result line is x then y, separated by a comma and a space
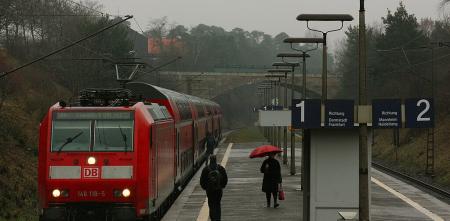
272, 179
213, 180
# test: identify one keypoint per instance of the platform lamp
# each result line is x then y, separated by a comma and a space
265, 86
292, 65
274, 75
303, 56
272, 99
324, 17
293, 41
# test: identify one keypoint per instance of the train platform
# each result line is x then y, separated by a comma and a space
391, 199
242, 198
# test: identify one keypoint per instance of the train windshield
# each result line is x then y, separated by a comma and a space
113, 135
92, 131
71, 135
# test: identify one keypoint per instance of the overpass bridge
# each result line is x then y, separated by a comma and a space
236, 91
214, 84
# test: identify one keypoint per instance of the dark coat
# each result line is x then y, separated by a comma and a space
210, 143
205, 172
272, 175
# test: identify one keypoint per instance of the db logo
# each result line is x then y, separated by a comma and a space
91, 172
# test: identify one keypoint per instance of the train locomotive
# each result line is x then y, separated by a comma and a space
121, 154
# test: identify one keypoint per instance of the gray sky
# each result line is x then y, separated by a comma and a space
269, 16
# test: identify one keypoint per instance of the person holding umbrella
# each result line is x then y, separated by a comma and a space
272, 171
272, 178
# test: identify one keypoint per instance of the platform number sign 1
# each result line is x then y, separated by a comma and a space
419, 113
306, 113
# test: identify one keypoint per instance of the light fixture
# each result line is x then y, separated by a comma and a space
126, 192
91, 160
56, 193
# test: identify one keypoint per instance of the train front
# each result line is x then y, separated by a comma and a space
87, 164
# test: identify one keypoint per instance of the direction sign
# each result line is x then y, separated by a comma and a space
419, 113
306, 113
387, 113
339, 113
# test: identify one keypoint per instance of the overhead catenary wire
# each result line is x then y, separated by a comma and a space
137, 23
409, 64
59, 15
6, 73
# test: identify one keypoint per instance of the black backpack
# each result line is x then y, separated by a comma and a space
214, 179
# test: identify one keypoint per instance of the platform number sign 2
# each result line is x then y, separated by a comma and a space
419, 113
306, 113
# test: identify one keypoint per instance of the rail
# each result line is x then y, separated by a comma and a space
413, 180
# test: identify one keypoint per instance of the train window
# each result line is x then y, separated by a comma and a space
184, 109
165, 112
156, 113
200, 110
113, 135
71, 135
153, 114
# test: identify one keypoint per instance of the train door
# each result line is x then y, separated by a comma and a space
220, 128
195, 140
154, 152
177, 151
193, 157
213, 131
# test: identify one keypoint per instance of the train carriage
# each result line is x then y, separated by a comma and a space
119, 159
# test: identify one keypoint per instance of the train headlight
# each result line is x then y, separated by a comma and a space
91, 160
56, 193
126, 192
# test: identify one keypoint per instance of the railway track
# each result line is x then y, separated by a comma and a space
413, 181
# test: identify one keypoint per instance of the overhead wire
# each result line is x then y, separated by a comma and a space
137, 23
58, 15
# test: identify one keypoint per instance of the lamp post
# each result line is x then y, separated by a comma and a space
303, 56
324, 17
285, 71
304, 53
307, 153
272, 102
265, 86
292, 65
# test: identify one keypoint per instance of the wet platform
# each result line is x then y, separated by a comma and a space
243, 199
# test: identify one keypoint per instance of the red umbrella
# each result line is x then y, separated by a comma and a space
264, 150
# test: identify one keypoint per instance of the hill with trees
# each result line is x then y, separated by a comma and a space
403, 55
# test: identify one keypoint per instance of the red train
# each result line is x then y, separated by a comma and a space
121, 154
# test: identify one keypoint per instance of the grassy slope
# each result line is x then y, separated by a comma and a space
30, 94
18, 184
412, 152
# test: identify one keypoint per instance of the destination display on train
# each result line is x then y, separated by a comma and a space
386, 113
